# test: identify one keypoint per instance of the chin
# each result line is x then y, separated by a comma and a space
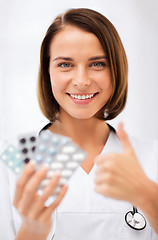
83, 116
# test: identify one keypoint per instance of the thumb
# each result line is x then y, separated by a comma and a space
123, 137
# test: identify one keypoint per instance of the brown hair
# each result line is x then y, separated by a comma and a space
93, 22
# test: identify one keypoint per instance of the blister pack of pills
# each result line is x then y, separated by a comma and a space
59, 153
12, 158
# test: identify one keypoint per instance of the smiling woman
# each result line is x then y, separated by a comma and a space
82, 83
79, 73
107, 54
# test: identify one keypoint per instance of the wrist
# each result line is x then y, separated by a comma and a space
148, 201
25, 235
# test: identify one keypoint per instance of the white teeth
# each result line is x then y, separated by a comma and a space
82, 96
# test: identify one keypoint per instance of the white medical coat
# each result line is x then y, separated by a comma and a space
84, 214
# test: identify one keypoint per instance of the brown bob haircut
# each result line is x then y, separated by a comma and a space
92, 22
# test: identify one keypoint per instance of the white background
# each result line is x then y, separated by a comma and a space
23, 24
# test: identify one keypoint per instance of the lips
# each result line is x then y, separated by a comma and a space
82, 96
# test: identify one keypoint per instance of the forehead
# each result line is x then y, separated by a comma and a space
73, 40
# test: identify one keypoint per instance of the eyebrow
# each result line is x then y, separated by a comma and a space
70, 59
62, 58
97, 58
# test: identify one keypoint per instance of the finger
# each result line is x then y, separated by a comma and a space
28, 171
103, 168
102, 178
99, 160
105, 157
107, 161
49, 210
30, 190
126, 145
103, 189
47, 192
110, 191
49, 189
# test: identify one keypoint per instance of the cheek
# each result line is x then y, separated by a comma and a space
58, 81
108, 86
104, 81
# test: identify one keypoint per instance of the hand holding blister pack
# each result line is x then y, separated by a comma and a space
59, 153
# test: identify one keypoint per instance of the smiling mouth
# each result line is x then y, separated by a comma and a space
82, 96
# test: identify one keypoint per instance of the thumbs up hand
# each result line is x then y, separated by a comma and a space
121, 176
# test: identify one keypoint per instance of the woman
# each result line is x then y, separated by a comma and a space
82, 83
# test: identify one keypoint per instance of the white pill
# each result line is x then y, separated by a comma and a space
56, 165
45, 165
72, 165
52, 151
4, 157
66, 173
39, 158
57, 171
33, 162
55, 140
41, 147
64, 141
62, 181
68, 149
10, 163
78, 156
62, 157
11, 149
18, 156
48, 160
17, 170
50, 174
45, 182
57, 190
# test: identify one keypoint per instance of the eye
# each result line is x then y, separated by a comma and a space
65, 65
98, 64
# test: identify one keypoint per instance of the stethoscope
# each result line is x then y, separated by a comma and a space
135, 220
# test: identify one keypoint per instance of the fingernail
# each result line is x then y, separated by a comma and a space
56, 176
31, 165
44, 167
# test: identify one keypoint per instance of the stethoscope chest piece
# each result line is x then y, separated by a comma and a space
135, 220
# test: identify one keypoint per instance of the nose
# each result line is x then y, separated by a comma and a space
81, 78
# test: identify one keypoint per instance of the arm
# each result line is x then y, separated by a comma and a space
25, 235
149, 203
36, 218
120, 176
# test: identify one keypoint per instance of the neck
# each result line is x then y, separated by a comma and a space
87, 133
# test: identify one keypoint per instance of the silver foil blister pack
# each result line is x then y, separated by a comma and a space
58, 152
